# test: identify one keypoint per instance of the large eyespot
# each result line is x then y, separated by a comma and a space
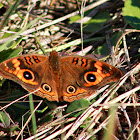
71, 89
28, 75
89, 77
46, 87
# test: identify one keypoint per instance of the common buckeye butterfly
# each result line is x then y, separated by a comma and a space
58, 78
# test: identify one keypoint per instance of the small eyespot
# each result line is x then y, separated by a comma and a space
89, 77
46, 87
71, 89
28, 75
106, 69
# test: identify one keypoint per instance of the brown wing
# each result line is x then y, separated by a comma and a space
82, 75
32, 72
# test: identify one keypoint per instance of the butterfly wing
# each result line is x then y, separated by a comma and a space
32, 72
82, 75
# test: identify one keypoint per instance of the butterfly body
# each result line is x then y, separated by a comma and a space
58, 78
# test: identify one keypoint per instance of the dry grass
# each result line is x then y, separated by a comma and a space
110, 113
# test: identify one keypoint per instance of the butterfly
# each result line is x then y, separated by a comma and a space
56, 78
